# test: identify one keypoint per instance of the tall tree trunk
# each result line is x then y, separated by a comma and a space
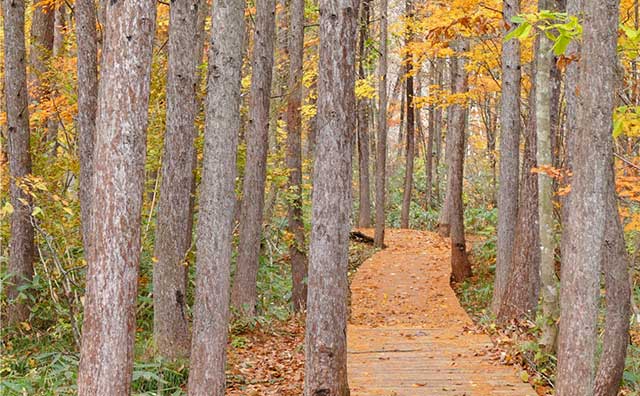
585, 230
460, 267
217, 201
42, 32
444, 221
21, 247
403, 112
543, 110
618, 297
244, 295
410, 153
521, 295
87, 42
438, 134
326, 341
381, 157
294, 156
509, 156
489, 120
106, 358
429, 168
173, 232
60, 25
364, 207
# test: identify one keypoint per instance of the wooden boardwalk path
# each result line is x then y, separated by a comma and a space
408, 334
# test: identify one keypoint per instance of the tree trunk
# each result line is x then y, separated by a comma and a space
618, 297
326, 341
410, 153
438, 134
585, 230
244, 295
381, 157
521, 295
21, 247
403, 113
106, 358
42, 28
364, 207
543, 110
294, 156
173, 231
509, 157
217, 201
429, 168
87, 42
444, 222
460, 267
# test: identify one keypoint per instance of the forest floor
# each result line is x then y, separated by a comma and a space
409, 335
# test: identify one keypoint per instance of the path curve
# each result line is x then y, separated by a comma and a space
408, 334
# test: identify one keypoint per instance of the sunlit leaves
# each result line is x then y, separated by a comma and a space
560, 27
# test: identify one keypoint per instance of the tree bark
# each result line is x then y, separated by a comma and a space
460, 267
543, 110
87, 42
410, 153
364, 185
42, 32
585, 230
509, 156
438, 135
381, 157
21, 247
325, 344
106, 358
444, 222
521, 295
217, 201
294, 156
173, 231
429, 167
244, 295
618, 297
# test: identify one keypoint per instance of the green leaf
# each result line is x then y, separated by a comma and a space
520, 33
617, 127
561, 44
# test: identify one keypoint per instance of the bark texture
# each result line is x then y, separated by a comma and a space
217, 201
42, 32
87, 41
460, 267
444, 222
381, 149
364, 185
411, 113
618, 298
244, 295
106, 358
173, 231
544, 156
21, 248
294, 156
509, 156
521, 296
585, 228
325, 343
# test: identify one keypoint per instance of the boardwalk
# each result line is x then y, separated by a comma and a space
409, 336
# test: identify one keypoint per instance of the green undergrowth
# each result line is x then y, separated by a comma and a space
40, 357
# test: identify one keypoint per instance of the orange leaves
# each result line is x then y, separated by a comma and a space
629, 187
549, 170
